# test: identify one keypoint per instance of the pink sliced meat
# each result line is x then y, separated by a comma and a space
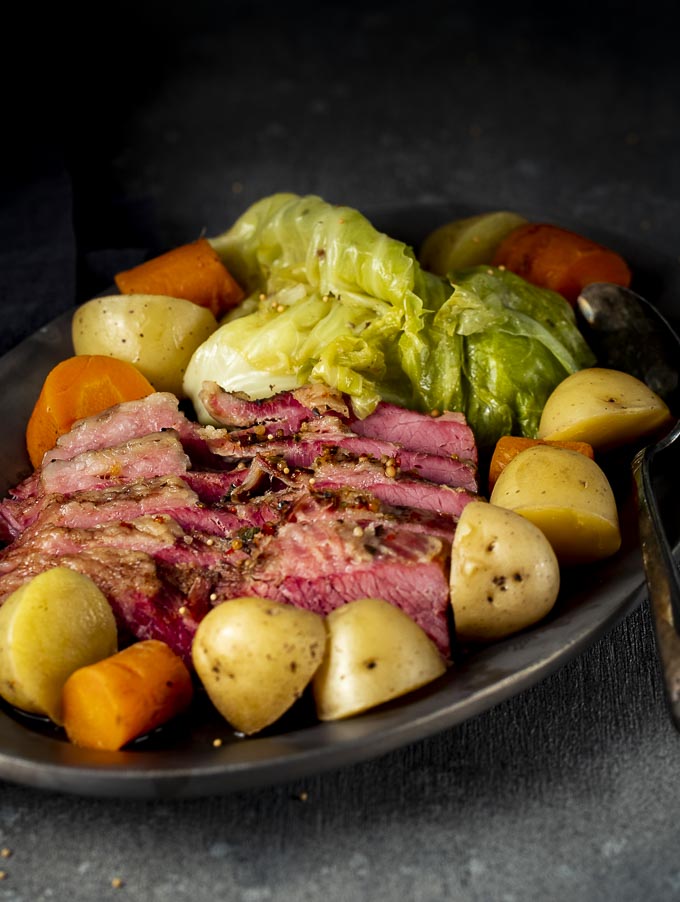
328, 435
158, 454
170, 518
319, 568
446, 434
286, 410
399, 491
119, 424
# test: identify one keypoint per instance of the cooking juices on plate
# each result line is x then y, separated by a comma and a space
285, 496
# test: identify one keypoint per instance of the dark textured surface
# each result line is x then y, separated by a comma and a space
569, 791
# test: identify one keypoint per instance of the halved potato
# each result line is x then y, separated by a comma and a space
467, 242
504, 573
255, 657
567, 496
158, 334
604, 407
375, 653
50, 627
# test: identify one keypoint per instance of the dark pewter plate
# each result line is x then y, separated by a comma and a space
181, 760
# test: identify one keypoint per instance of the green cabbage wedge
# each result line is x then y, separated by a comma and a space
333, 300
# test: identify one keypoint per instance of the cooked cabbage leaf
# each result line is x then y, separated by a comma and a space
497, 348
332, 299
329, 297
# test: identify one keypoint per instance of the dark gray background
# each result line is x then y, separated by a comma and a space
152, 124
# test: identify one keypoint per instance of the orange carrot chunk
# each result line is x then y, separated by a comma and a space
79, 387
110, 703
193, 272
558, 259
508, 446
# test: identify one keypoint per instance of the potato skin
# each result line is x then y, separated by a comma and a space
375, 653
567, 496
255, 657
158, 334
606, 408
504, 573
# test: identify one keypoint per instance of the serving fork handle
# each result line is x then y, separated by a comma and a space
661, 571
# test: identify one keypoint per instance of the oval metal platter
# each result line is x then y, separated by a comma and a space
184, 760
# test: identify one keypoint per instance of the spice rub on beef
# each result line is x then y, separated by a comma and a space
292, 498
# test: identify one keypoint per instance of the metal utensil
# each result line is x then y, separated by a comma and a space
629, 333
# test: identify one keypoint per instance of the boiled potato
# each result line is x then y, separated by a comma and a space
255, 657
54, 624
156, 333
566, 495
467, 242
603, 407
375, 653
504, 573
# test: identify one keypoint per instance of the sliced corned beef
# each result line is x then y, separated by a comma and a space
328, 434
155, 575
398, 491
169, 518
158, 454
144, 497
446, 434
366, 512
144, 604
320, 566
131, 420
112, 428
119, 424
286, 411
91, 507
